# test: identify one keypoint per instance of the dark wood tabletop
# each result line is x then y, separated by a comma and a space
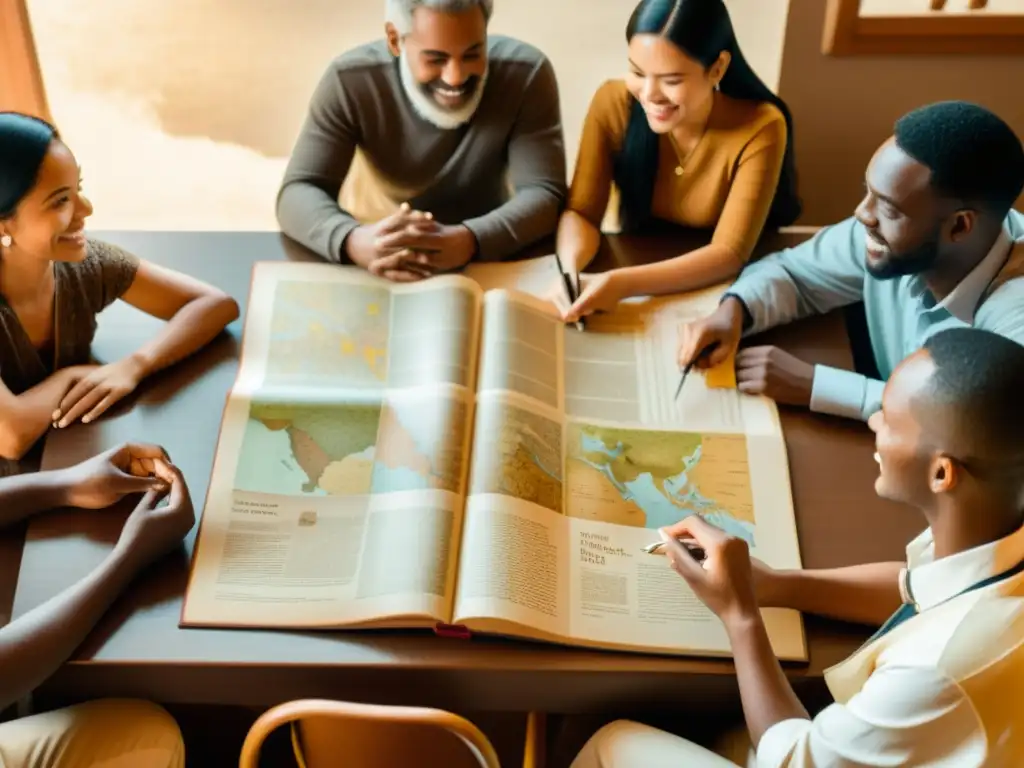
138, 649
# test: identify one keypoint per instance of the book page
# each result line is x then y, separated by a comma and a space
513, 566
615, 455
338, 486
533, 276
522, 349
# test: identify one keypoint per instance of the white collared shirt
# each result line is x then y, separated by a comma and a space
964, 299
914, 708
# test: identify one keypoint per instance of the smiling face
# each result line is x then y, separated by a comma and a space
908, 223
670, 86
49, 222
907, 463
444, 60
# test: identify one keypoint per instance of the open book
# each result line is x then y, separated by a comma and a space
434, 455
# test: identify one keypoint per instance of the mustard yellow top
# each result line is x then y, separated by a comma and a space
727, 183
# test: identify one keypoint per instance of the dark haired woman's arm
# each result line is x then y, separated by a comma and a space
739, 226
692, 271
752, 191
195, 313
701, 268
577, 241
749, 199
26, 417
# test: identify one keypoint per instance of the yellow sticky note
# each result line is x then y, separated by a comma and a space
723, 375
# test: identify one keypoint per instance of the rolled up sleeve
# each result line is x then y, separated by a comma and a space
844, 393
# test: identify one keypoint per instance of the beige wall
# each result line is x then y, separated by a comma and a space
160, 97
843, 108
195, 88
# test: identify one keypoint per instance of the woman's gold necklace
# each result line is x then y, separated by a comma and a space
681, 165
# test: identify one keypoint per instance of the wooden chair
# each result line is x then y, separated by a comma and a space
339, 734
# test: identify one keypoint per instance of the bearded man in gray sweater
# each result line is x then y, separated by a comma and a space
436, 146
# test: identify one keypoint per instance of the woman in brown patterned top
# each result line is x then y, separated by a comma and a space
53, 283
692, 136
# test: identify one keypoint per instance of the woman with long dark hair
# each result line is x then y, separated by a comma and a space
54, 280
692, 136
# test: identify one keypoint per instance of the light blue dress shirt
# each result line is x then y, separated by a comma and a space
828, 272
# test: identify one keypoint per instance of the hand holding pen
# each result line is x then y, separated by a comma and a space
596, 293
724, 579
693, 549
699, 360
708, 342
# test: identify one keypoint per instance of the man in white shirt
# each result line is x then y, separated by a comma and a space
940, 682
930, 246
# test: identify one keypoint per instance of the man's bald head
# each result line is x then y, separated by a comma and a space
973, 401
952, 420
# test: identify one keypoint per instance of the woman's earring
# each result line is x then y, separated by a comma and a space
718, 86
6, 241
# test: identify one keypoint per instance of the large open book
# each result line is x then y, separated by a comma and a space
434, 455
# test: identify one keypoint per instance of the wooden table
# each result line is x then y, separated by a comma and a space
139, 650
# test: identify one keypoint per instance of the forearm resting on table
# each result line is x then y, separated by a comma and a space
310, 215
767, 696
25, 418
862, 594
706, 266
24, 495
193, 326
33, 646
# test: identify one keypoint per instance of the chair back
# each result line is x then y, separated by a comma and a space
339, 734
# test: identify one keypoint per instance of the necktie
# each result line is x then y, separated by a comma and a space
909, 610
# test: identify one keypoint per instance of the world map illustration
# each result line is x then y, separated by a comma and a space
351, 449
328, 334
651, 478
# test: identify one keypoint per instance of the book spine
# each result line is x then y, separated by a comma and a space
457, 631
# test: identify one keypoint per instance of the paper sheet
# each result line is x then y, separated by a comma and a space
723, 375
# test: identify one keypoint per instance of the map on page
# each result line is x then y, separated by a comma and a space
652, 478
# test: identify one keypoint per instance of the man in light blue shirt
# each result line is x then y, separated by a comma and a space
934, 244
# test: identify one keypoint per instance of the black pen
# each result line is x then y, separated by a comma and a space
689, 366
570, 288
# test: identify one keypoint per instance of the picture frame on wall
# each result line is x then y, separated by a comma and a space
976, 29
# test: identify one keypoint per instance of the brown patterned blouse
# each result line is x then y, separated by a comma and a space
83, 290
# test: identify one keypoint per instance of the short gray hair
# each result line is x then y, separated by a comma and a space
399, 12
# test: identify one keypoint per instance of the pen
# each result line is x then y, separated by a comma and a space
570, 288
689, 366
693, 548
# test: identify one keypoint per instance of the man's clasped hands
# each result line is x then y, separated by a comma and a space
410, 245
